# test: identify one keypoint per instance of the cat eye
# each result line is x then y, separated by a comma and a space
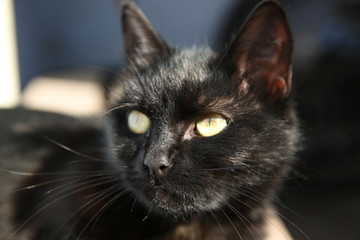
210, 124
138, 122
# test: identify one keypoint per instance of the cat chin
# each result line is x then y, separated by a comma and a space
178, 205
172, 199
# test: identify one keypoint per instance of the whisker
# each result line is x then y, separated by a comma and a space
267, 219
218, 222
69, 149
258, 200
247, 189
48, 173
193, 180
96, 198
37, 212
17, 172
46, 183
147, 216
122, 105
66, 187
243, 166
91, 160
231, 222
243, 219
72, 185
133, 205
98, 214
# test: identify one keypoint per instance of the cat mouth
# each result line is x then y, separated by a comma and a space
169, 196
182, 202
158, 197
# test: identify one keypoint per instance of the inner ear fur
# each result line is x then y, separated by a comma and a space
261, 54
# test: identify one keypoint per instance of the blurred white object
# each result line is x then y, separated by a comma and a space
76, 93
275, 228
9, 78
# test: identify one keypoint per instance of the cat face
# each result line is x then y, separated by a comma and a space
193, 130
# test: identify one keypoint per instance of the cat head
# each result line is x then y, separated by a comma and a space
192, 129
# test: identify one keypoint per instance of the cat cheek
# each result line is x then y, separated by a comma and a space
126, 149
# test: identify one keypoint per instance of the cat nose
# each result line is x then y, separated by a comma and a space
159, 166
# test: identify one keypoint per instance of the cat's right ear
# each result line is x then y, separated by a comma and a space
143, 45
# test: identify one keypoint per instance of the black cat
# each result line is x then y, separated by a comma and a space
195, 146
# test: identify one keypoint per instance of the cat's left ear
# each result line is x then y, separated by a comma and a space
261, 54
143, 45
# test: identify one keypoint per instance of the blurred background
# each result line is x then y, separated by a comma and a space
60, 50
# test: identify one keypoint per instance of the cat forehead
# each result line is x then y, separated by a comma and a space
185, 68
189, 63
186, 82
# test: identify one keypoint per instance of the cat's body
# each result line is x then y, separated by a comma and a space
166, 175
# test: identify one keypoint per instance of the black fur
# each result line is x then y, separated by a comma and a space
213, 188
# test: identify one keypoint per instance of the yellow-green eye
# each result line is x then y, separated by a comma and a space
211, 124
138, 122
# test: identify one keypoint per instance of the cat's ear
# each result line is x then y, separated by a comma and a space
143, 45
261, 54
